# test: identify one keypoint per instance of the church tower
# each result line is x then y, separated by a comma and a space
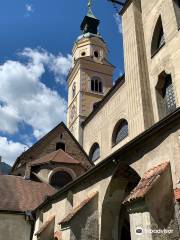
90, 77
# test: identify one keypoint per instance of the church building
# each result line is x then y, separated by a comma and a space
113, 171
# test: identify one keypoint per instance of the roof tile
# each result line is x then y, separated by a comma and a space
20, 195
177, 194
58, 156
147, 182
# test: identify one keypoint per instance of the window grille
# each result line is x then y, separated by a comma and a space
169, 97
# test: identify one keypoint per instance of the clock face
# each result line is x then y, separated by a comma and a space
73, 112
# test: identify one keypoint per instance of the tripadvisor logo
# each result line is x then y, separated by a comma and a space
139, 230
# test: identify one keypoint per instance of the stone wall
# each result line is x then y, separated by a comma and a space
48, 145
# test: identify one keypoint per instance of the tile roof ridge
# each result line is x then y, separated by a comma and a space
78, 208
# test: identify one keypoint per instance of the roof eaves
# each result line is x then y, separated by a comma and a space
126, 5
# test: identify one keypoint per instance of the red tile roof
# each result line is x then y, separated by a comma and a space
78, 208
20, 195
177, 194
45, 225
147, 182
58, 156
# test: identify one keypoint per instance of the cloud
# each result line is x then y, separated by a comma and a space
59, 65
25, 99
118, 22
29, 8
10, 150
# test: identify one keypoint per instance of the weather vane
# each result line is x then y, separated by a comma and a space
90, 7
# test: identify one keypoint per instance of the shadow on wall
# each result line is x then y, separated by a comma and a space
114, 217
85, 225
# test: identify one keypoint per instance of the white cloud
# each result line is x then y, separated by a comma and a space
10, 150
25, 98
118, 22
29, 8
59, 65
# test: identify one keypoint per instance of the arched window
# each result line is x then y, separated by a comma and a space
96, 85
120, 132
94, 153
158, 39
73, 90
60, 179
166, 101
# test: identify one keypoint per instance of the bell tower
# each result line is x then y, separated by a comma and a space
90, 77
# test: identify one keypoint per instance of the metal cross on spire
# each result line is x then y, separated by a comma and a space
90, 7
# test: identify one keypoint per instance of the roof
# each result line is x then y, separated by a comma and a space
158, 128
58, 156
147, 182
126, 5
177, 194
45, 225
34, 146
119, 82
20, 195
78, 208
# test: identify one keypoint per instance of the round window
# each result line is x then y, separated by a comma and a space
83, 54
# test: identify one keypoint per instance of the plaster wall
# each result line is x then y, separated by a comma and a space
100, 128
14, 226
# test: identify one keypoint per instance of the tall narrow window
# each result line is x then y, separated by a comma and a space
158, 39
96, 85
120, 132
177, 11
165, 95
74, 90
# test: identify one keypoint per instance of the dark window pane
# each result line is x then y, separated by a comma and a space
122, 132
158, 39
96, 86
92, 85
60, 179
100, 87
60, 145
95, 152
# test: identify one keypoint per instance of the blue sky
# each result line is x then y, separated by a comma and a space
35, 55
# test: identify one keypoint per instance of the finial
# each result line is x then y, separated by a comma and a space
90, 7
